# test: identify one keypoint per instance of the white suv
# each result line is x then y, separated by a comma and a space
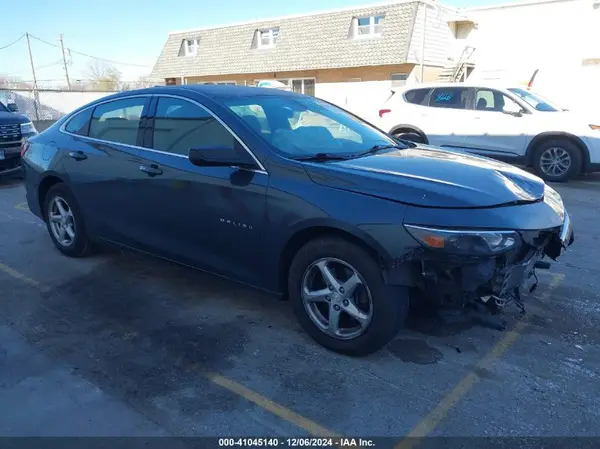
511, 124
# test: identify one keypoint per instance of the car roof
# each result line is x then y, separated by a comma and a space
212, 90
482, 84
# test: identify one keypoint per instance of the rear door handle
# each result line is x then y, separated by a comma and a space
151, 170
77, 155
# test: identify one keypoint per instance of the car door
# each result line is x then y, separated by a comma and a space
499, 129
102, 161
210, 217
448, 118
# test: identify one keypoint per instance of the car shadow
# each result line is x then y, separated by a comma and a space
9, 181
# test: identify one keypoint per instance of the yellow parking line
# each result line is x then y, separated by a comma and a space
428, 424
228, 384
22, 206
20, 276
267, 404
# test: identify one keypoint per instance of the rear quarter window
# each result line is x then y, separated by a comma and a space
79, 123
418, 96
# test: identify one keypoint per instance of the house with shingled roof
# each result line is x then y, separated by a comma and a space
354, 56
364, 50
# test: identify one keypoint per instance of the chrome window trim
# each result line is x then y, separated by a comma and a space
63, 127
63, 130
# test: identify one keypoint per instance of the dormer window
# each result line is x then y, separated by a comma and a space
190, 47
368, 26
267, 37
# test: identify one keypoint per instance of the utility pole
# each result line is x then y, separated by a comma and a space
425, 5
62, 47
31, 61
35, 93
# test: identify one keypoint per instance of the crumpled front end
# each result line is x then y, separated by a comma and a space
457, 265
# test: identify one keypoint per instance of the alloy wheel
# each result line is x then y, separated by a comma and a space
337, 298
62, 222
555, 161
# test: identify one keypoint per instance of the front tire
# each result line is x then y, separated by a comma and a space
340, 299
65, 222
557, 160
410, 136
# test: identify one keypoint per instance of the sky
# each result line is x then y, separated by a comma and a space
129, 32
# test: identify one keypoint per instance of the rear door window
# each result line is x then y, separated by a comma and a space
118, 121
418, 96
449, 97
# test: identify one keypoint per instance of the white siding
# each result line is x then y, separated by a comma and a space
439, 36
554, 37
361, 98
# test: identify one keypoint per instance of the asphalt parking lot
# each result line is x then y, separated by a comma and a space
125, 345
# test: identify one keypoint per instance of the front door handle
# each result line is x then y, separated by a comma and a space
77, 155
151, 170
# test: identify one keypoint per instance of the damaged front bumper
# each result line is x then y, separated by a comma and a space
457, 280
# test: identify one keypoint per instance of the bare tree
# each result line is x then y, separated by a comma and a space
103, 76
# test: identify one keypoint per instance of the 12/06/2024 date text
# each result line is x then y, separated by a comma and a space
295, 442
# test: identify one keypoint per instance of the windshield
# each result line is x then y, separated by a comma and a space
305, 126
534, 100
3, 108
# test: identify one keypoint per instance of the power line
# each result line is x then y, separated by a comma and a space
13, 42
88, 56
42, 40
55, 63
107, 60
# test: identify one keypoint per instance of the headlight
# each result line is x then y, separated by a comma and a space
464, 242
554, 200
28, 128
595, 127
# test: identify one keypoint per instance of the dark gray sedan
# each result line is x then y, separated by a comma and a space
295, 196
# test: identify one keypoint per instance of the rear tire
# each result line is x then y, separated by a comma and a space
65, 222
557, 160
411, 136
385, 307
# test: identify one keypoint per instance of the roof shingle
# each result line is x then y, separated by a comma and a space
317, 41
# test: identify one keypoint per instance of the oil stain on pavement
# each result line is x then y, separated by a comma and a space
414, 351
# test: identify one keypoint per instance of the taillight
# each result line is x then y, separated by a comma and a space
383, 111
24, 148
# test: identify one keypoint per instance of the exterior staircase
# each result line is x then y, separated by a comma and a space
458, 72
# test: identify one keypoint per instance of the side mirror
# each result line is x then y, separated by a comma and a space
12, 107
513, 109
220, 157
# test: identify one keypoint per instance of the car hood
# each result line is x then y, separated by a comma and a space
431, 177
10, 118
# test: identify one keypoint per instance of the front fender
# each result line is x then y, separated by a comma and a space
336, 226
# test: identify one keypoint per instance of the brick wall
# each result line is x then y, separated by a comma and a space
372, 73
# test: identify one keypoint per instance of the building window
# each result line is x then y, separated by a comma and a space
267, 38
399, 79
224, 83
368, 26
190, 47
228, 83
304, 86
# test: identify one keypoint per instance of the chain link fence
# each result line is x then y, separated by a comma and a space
45, 106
